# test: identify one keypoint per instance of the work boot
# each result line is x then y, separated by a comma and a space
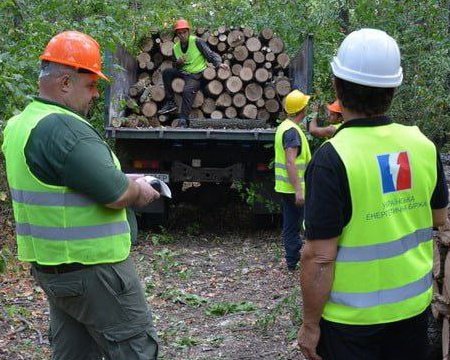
183, 123
168, 107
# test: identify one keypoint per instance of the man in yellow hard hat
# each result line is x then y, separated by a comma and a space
69, 198
292, 155
191, 57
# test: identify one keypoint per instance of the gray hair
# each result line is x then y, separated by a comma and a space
51, 69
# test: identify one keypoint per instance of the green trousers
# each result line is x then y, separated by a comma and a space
99, 312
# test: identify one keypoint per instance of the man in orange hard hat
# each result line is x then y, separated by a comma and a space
191, 56
334, 118
69, 198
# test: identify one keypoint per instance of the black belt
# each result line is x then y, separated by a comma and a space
59, 269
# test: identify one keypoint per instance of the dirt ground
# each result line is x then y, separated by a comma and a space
217, 287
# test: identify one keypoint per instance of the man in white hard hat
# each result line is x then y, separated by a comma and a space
375, 192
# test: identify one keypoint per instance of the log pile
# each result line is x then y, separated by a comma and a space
252, 88
441, 284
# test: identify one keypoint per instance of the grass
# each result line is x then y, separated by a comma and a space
225, 308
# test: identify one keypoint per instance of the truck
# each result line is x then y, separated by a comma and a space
212, 159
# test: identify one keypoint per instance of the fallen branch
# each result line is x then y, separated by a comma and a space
31, 327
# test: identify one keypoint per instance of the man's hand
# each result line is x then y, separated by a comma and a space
299, 199
180, 61
308, 338
146, 193
224, 66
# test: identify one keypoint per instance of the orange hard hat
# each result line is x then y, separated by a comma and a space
334, 107
181, 24
75, 49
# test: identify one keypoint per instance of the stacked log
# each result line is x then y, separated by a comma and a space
441, 274
252, 88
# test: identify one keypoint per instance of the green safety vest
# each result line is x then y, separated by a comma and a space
195, 62
282, 183
55, 224
383, 269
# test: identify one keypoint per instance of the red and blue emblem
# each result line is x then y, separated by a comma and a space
395, 171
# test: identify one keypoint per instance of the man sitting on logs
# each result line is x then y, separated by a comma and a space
191, 55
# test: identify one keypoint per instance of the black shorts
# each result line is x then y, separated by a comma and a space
406, 339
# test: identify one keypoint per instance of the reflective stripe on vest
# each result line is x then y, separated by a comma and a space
54, 224
195, 62
384, 259
282, 182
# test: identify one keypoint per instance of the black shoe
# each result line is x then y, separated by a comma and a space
168, 107
182, 123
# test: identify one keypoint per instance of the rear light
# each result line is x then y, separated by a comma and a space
146, 164
262, 167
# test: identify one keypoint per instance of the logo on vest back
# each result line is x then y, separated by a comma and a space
395, 171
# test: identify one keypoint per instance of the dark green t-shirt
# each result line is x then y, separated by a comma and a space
64, 151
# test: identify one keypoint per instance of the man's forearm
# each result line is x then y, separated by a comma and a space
316, 280
293, 176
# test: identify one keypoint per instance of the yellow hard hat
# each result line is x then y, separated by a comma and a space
295, 102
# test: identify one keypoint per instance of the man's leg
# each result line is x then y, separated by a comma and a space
349, 342
168, 75
191, 87
407, 339
292, 219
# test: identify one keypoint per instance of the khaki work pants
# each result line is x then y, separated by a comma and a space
99, 312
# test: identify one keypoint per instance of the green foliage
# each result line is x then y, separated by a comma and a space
421, 29
181, 297
225, 308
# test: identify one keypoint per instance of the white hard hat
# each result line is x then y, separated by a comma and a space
369, 57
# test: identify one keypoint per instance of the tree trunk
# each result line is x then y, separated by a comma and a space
239, 100
224, 100
157, 93
166, 48
253, 44
259, 57
234, 84
276, 45
178, 85
217, 114
253, 92
272, 106
209, 105
230, 112
198, 100
266, 34
283, 60
236, 69
250, 111
240, 53
283, 86
223, 74
214, 88
209, 73
235, 38
149, 108
246, 74
261, 75
250, 63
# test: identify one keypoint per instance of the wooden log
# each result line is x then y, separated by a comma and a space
266, 34
234, 84
209, 73
178, 85
137, 88
117, 122
248, 32
178, 100
253, 44
157, 93
166, 35
198, 100
283, 60
240, 53
250, 63
209, 105
163, 118
259, 57
150, 65
446, 280
270, 56
196, 114
131, 121
282, 86
154, 122
445, 339
269, 92
253, 92
438, 268
217, 114
230, 112
272, 106
223, 74
239, 100
260, 103
250, 111
143, 59
157, 77
143, 76
145, 94
224, 100
268, 65
236, 69
213, 40
147, 44
149, 108
166, 64
276, 45
200, 31
261, 75
246, 74
263, 114
235, 38
222, 29
443, 235
222, 47
227, 124
166, 48
223, 38
214, 88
